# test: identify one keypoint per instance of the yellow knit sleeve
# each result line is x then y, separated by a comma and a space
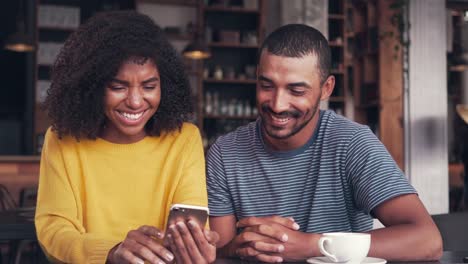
191, 188
58, 225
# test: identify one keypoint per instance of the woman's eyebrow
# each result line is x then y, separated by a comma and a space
152, 79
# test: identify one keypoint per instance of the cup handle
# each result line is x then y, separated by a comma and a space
321, 243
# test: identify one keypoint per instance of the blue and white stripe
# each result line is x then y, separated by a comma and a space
332, 183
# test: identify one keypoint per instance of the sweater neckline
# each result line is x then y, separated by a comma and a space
141, 146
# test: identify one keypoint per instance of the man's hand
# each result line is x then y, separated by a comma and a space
139, 247
275, 239
191, 244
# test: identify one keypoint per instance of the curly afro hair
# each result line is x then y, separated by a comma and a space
92, 56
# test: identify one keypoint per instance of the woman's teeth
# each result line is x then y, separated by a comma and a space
131, 116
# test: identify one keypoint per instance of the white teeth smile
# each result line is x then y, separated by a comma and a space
280, 120
131, 116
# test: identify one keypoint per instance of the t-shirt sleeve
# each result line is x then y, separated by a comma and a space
219, 198
373, 174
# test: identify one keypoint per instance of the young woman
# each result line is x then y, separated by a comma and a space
119, 151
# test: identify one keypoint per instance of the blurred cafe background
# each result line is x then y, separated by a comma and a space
401, 68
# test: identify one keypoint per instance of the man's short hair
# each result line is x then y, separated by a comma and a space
298, 40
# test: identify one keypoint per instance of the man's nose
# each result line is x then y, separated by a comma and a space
279, 102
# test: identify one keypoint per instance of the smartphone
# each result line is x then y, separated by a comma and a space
185, 212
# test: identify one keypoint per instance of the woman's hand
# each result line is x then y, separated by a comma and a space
191, 244
139, 247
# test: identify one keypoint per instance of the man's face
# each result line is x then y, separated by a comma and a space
130, 101
288, 96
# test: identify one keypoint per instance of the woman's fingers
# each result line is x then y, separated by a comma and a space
155, 247
183, 250
140, 246
127, 253
205, 241
151, 231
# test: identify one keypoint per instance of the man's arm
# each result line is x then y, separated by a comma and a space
410, 234
380, 188
225, 226
258, 242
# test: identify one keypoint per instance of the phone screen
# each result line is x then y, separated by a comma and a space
182, 212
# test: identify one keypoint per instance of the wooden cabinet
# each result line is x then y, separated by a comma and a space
363, 36
340, 60
457, 77
224, 85
178, 19
233, 30
376, 71
56, 21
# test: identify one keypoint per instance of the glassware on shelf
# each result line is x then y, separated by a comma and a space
208, 103
230, 73
216, 103
218, 73
247, 109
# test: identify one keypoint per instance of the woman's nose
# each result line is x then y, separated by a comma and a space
135, 98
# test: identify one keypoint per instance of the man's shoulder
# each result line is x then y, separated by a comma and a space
241, 136
339, 126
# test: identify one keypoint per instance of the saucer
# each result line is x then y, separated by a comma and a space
325, 260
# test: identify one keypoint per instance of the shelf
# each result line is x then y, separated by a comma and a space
335, 44
230, 9
56, 28
232, 45
336, 99
17, 159
458, 68
336, 16
350, 34
336, 71
236, 81
228, 117
192, 3
184, 37
367, 53
371, 104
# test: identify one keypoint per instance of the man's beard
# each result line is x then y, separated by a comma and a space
293, 114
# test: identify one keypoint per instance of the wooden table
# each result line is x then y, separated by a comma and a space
19, 225
448, 257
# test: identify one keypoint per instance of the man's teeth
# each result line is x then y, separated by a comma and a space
131, 116
282, 120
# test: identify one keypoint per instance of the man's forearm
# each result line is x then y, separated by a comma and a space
406, 242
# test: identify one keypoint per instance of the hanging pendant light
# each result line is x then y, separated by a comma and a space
462, 111
197, 49
20, 41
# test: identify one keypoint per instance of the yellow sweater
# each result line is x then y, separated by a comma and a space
92, 192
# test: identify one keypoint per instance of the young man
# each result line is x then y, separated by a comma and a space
276, 184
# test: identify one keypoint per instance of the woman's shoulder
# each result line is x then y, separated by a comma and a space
52, 135
188, 129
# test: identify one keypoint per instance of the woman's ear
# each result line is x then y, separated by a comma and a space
327, 87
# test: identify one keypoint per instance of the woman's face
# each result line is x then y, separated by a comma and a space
130, 100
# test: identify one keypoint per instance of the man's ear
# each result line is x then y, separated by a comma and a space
327, 87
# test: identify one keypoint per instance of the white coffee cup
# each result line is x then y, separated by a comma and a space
345, 247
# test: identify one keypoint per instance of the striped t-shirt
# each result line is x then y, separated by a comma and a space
332, 183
